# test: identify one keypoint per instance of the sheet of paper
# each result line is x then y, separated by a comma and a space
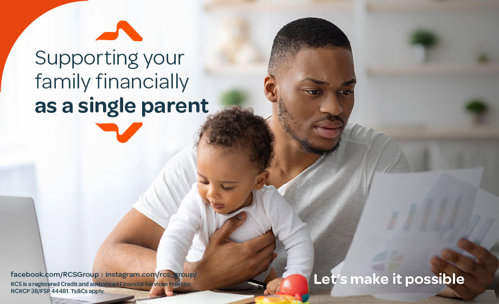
484, 222
407, 219
483, 229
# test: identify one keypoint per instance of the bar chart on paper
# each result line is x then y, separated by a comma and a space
479, 227
408, 219
432, 215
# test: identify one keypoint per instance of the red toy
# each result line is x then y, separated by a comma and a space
295, 285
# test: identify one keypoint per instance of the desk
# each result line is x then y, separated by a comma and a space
322, 297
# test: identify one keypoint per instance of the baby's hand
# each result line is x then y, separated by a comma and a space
162, 286
273, 286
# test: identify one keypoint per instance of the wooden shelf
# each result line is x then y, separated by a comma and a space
279, 6
428, 5
386, 70
255, 69
433, 69
348, 5
441, 133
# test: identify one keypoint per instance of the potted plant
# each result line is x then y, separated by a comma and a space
233, 97
478, 108
422, 40
482, 58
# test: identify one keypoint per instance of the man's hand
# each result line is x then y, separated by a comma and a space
478, 273
225, 262
163, 285
273, 286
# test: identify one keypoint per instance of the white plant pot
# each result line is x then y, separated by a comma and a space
478, 119
420, 53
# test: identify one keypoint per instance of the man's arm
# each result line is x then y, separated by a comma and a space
131, 248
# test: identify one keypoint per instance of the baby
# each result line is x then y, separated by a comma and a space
233, 152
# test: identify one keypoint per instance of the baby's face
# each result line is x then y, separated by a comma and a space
226, 177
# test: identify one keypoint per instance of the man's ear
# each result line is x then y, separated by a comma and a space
269, 88
261, 179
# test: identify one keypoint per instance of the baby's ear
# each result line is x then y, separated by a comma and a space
261, 178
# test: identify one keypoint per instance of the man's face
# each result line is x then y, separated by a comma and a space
314, 95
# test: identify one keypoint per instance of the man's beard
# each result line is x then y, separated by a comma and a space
285, 118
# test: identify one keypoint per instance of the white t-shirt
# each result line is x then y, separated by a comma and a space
195, 222
328, 196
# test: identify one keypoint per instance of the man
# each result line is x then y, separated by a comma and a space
322, 166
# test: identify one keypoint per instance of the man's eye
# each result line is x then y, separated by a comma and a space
346, 92
313, 92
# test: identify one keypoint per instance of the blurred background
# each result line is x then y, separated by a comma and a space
427, 71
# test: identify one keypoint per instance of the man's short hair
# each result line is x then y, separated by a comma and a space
304, 33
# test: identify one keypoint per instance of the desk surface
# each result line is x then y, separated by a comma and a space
322, 297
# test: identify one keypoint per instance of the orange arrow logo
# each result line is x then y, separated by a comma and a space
126, 27
122, 138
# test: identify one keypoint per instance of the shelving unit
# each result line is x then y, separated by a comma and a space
433, 69
278, 6
349, 5
429, 5
377, 70
282, 6
361, 19
478, 132
237, 69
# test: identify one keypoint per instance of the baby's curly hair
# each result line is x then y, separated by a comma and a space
240, 128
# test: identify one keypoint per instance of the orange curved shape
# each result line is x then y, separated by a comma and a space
126, 27
122, 138
15, 17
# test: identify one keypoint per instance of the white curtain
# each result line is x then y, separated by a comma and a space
85, 179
